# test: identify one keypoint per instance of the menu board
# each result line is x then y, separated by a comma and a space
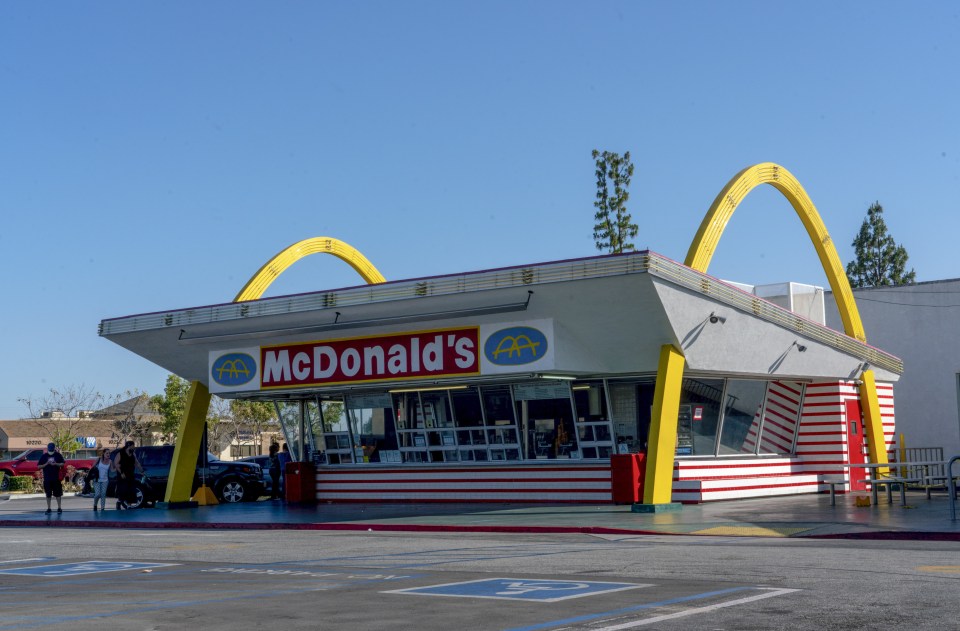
535, 391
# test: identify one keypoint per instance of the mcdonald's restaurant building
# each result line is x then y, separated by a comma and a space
528, 383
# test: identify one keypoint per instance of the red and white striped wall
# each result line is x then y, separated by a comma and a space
521, 482
821, 450
821, 447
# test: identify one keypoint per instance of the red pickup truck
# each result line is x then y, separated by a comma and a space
26, 464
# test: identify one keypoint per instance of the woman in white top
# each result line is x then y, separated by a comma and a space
100, 476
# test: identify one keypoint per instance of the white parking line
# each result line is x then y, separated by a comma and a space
27, 560
769, 592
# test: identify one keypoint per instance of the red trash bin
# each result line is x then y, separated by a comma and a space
626, 477
300, 482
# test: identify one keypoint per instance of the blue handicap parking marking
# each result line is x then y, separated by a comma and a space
82, 567
527, 589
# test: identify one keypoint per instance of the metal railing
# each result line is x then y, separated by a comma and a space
922, 454
952, 486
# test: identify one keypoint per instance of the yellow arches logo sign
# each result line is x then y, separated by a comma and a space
515, 346
233, 369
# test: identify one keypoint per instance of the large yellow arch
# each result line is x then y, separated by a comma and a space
279, 263
659, 474
711, 229
190, 436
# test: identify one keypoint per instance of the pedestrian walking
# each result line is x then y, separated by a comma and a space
52, 463
284, 456
99, 476
275, 471
126, 465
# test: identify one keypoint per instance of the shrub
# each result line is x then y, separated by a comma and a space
21, 483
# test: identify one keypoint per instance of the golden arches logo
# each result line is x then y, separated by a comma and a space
516, 345
233, 369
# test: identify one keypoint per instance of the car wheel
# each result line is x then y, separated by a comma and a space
78, 478
5, 484
232, 491
139, 498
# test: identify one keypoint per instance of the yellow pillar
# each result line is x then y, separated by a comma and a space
662, 443
877, 443
183, 469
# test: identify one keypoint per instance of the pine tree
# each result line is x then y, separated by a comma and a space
879, 260
613, 229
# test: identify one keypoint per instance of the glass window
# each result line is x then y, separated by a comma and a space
466, 407
741, 416
699, 417
372, 425
547, 420
783, 402
591, 402
289, 415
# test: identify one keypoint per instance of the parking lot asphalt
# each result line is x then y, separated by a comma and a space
790, 516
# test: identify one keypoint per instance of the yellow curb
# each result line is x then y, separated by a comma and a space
948, 569
749, 531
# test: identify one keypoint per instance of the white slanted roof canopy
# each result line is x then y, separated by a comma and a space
610, 316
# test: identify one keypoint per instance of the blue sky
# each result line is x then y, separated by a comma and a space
153, 156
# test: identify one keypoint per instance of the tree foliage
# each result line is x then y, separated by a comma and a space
65, 406
66, 441
257, 417
880, 261
613, 229
170, 406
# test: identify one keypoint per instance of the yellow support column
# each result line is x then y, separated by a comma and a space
877, 443
662, 443
183, 469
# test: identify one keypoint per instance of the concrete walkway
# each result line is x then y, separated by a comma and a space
793, 516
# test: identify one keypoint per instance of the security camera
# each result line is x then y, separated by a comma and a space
714, 319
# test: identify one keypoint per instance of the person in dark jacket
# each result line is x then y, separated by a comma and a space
126, 465
52, 463
275, 471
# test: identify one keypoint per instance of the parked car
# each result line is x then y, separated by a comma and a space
26, 464
231, 481
264, 463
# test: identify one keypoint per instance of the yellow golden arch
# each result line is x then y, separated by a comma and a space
658, 486
317, 245
183, 467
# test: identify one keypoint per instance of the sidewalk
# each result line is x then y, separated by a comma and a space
792, 516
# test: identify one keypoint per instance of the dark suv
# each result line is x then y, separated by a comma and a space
230, 481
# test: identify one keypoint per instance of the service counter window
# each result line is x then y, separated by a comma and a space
743, 407
372, 427
288, 412
500, 422
594, 428
425, 426
546, 420
333, 432
699, 417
